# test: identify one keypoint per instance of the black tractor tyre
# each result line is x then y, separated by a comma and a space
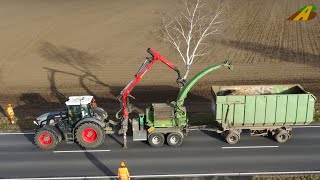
46, 139
89, 135
232, 137
174, 139
282, 136
156, 139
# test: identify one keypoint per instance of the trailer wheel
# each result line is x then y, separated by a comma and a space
174, 139
156, 139
282, 136
232, 137
46, 139
89, 135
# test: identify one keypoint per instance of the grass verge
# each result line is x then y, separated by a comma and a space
20, 125
317, 117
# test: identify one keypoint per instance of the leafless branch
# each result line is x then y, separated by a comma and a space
190, 27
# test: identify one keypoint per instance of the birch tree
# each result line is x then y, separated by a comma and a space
189, 29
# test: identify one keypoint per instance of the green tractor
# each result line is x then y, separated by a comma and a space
78, 122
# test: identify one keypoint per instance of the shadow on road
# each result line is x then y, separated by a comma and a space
214, 135
116, 140
96, 162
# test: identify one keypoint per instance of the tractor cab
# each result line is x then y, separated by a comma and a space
79, 107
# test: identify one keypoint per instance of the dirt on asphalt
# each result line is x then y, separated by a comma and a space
53, 49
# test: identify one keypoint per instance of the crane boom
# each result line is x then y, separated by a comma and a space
125, 93
143, 69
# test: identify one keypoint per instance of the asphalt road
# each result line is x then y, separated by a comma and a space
201, 153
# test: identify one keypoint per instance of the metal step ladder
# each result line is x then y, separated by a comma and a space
70, 136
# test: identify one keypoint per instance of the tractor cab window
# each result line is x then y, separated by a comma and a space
89, 107
85, 111
74, 113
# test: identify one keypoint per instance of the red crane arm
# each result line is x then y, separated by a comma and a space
143, 69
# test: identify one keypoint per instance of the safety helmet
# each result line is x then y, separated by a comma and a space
122, 164
9, 104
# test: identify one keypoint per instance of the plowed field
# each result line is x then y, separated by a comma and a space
52, 49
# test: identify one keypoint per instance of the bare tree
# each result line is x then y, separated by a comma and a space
189, 29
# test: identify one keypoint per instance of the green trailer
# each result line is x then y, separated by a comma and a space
261, 109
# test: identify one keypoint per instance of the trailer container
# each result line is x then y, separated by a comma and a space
262, 109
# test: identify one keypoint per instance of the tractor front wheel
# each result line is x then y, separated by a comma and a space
89, 135
46, 139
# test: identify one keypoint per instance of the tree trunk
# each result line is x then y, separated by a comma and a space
187, 72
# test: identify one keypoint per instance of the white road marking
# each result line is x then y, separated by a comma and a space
248, 147
175, 175
104, 150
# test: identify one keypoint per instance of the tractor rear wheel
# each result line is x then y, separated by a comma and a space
174, 139
46, 139
156, 139
89, 135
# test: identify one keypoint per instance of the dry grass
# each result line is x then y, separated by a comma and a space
317, 117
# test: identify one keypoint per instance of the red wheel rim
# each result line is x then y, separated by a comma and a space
45, 139
89, 135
